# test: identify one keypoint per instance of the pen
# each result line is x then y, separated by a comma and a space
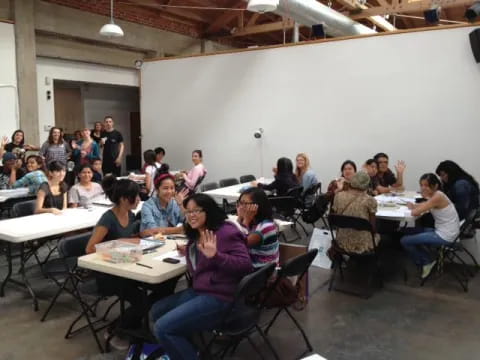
144, 265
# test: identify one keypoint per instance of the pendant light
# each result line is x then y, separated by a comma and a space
111, 29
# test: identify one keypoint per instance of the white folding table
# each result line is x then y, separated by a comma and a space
231, 193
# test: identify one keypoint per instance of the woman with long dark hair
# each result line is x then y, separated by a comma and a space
285, 179
217, 259
447, 224
460, 187
52, 194
34, 177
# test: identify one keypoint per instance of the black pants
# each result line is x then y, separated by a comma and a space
131, 292
109, 167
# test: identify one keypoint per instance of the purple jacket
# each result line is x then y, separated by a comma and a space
220, 275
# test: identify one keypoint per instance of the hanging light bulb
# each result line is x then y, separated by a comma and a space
262, 6
111, 29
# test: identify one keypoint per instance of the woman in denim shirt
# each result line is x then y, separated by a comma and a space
460, 187
162, 213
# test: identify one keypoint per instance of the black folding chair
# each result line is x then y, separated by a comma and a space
209, 186
338, 222
316, 211
311, 194
295, 267
228, 182
247, 178
241, 319
450, 254
285, 208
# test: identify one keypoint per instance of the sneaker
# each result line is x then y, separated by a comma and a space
427, 269
119, 344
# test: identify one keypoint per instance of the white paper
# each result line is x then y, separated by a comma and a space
322, 240
172, 254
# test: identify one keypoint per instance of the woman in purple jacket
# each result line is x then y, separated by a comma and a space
217, 259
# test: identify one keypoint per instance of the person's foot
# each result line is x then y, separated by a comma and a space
427, 269
116, 342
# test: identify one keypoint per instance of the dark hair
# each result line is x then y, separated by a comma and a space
149, 157
215, 216
55, 166
50, 135
159, 150
199, 152
108, 117
84, 166
380, 155
348, 162
162, 174
371, 161
95, 125
259, 197
454, 173
284, 166
92, 161
23, 137
431, 180
38, 160
117, 189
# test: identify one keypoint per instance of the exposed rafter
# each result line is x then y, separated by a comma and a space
379, 21
225, 18
263, 28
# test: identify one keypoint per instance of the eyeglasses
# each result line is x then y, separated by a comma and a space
244, 203
195, 212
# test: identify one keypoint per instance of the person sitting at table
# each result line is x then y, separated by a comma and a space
305, 175
371, 168
193, 178
162, 213
447, 224
150, 170
347, 170
255, 213
52, 194
385, 178
34, 177
55, 148
119, 222
83, 193
7, 172
355, 201
159, 155
285, 179
85, 149
97, 170
460, 187
16, 145
217, 259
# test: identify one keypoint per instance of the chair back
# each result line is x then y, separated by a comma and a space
228, 182
247, 178
209, 186
252, 284
24, 208
74, 246
295, 191
351, 222
298, 265
317, 210
283, 206
467, 223
312, 192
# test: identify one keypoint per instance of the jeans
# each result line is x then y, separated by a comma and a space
181, 315
413, 244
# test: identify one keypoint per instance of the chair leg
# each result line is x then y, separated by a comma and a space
54, 299
255, 347
307, 341
273, 320
334, 273
269, 344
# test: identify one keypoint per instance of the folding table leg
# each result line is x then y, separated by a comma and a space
8, 255
24, 277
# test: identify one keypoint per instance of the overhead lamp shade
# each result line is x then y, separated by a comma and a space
262, 6
112, 30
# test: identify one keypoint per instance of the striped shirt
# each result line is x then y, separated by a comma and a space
266, 251
52, 152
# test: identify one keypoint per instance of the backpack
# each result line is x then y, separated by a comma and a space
144, 351
317, 210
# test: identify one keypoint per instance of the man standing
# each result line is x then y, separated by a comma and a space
113, 147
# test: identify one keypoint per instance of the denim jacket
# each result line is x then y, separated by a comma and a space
154, 215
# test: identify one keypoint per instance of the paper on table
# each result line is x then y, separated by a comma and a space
148, 243
172, 254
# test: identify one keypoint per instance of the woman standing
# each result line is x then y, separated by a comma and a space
97, 132
33, 178
82, 193
447, 224
85, 150
55, 148
217, 259
52, 195
17, 144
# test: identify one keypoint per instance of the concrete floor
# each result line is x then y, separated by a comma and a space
400, 321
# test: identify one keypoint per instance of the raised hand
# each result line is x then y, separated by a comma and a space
181, 196
249, 213
400, 167
5, 141
208, 243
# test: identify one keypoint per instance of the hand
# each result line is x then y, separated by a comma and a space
182, 249
410, 205
340, 182
28, 147
400, 167
55, 211
18, 164
5, 141
118, 162
83, 153
274, 170
249, 213
208, 243
74, 144
148, 232
181, 196
254, 183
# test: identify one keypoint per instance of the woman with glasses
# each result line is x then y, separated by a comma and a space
163, 212
217, 259
255, 214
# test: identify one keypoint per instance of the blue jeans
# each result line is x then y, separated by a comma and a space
181, 315
414, 245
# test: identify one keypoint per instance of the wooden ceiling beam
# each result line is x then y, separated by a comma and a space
183, 13
404, 6
263, 28
220, 22
377, 21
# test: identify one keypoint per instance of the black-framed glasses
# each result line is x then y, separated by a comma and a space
244, 203
195, 212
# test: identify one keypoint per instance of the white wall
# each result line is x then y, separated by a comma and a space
49, 70
414, 96
8, 81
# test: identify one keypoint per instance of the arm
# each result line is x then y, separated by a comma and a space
118, 160
39, 204
99, 233
24, 181
236, 258
461, 198
192, 177
268, 187
246, 216
148, 182
400, 169
65, 202
73, 197
95, 154
419, 209
382, 189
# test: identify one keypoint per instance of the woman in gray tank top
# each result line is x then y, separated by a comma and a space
447, 224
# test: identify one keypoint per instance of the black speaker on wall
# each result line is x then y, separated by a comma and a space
475, 43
